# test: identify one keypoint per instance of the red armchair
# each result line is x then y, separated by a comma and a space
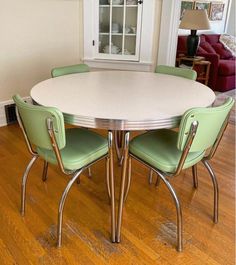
222, 72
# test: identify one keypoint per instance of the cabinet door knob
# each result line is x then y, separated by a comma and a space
140, 2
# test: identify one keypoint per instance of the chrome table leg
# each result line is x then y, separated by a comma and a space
122, 186
112, 188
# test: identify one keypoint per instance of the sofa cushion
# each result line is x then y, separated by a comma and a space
201, 50
226, 67
207, 47
220, 49
212, 38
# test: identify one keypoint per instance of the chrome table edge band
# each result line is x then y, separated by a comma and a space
111, 124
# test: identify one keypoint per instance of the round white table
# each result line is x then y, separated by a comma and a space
122, 100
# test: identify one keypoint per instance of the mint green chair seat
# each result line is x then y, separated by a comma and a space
70, 69
158, 149
168, 152
72, 149
82, 148
176, 71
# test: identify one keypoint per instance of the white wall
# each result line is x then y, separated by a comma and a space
35, 37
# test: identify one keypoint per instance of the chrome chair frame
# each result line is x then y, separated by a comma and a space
164, 177
74, 176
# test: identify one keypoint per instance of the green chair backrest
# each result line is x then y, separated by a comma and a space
34, 122
70, 69
210, 121
182, 72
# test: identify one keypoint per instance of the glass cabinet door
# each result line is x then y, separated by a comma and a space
119, 26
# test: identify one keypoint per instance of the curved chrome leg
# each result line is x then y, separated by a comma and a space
120, 144
157, 181
216, 190
122, 187
23, 183
128, 180
112, 188
90, 172
119, 135
117, 147
195, 177
108, 177
150, 177
45, 171
178, 211
120, 139
61, 206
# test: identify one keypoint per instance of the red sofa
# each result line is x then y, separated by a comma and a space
222, 71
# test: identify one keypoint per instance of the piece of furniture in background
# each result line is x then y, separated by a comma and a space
194, 20
168, 152
73, 150
222, 70
197, 63
70, 69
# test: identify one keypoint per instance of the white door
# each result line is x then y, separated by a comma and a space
118, 29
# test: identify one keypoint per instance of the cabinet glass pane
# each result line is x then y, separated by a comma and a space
131, 2
104, 27
130, 30
118, 26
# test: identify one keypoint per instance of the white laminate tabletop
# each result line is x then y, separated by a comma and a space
122, 100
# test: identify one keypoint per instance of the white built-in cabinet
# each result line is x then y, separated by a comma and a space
118, 34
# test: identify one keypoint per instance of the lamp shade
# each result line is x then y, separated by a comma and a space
195, 19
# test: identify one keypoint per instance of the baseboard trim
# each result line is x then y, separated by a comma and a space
3, 120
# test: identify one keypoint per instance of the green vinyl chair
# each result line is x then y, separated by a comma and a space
67, 70
181, 72
70, 69
176, 71
168, 152
73, 150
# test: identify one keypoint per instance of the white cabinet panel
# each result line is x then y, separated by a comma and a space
118, 30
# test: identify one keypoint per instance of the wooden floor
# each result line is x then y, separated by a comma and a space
149, 224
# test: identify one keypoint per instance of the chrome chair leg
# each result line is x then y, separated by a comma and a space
157, 181
108, 177
128, 180
90, 172
178, 211
45, 171
23, 183
112, 188
61, 206
216, 190
122, 187
150, 177
195, 177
